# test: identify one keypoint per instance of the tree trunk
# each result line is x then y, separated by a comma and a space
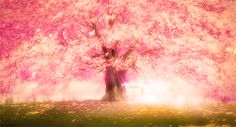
114, 89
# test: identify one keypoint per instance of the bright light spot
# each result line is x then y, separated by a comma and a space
180, 100
150, 91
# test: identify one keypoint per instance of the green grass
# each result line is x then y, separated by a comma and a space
110, 114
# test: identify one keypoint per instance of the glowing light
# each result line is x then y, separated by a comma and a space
160, 92
180, 100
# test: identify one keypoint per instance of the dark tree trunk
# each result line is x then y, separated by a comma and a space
113, 78
114, 88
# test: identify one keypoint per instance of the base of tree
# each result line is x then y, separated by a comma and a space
116, 94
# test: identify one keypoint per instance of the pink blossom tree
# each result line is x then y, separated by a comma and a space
54, 42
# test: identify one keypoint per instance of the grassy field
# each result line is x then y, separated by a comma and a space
112, 114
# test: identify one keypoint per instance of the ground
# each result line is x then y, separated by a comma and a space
106, 114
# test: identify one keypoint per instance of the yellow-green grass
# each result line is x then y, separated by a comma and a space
112, 114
